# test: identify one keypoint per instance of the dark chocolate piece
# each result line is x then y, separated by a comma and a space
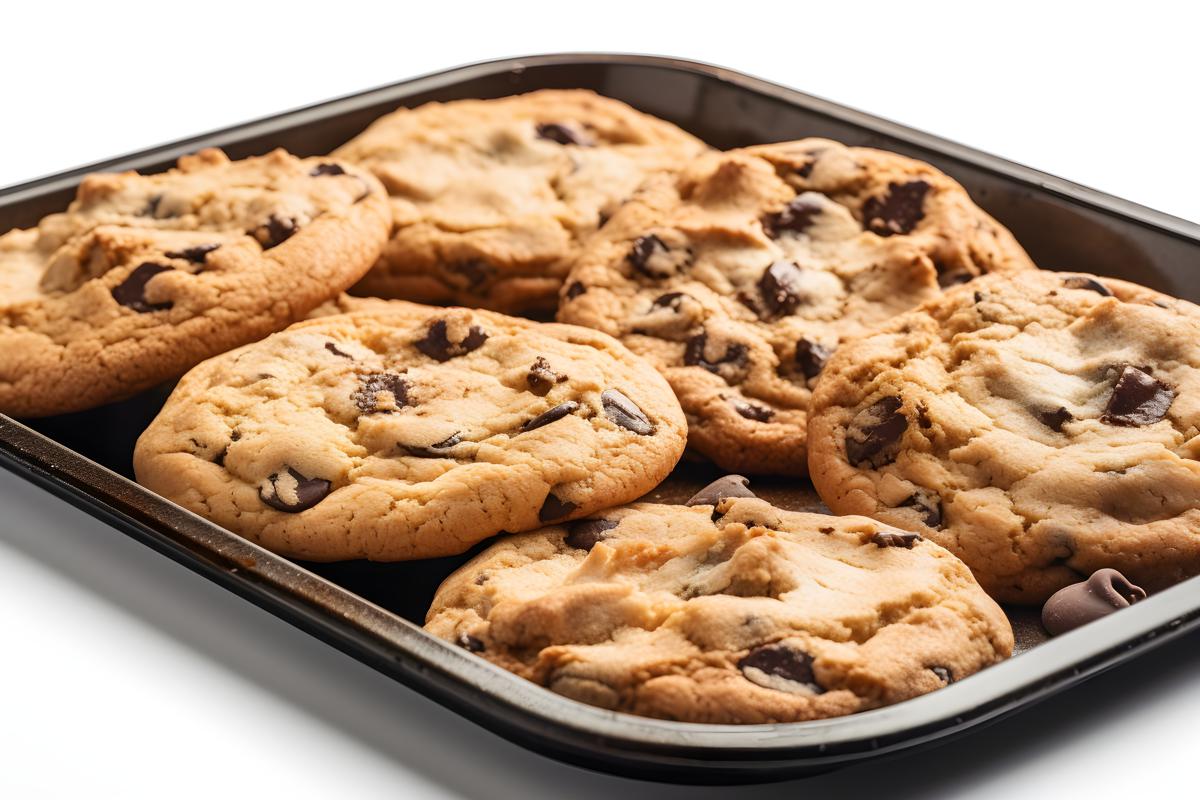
541, 377
1137, 399
437, 344
300, 492
561, 133
780, 661
896, 538
1054, 420
1104, 592
811, 357
195, 255
718, 490
898, 211
782, 287
131, 292
796, 217
327, 170
554, 507
624, 412
1085, 282
873, 436
585, 533
553, 415
369, 387
275, 232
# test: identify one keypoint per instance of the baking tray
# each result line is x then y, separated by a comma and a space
373, 611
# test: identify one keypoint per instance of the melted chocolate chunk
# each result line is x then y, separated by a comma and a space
474, 271
293, 492
333, 348
735, 355
624, 412
131, 292
575, 289
811, 357
1103, 593
651, 257
327, 169
469, 643
554, 508
896, 538
1054, 420
275, 232
553, 415
1137, 399
584, 534
718, 490
561, 133
796, 217
782, 287
541, 377
928, 506
778, 661
437, 344
753, 412
873, 436
435, 450
898, 211
195, 255
1084, 282
366, 396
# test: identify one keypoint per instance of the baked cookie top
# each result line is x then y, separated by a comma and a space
145, 276
492, 198
1040, 427
733, 613
410, 432
740, 276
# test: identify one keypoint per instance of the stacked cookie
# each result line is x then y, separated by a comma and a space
986, 430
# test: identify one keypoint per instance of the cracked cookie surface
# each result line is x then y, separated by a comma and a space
145, 276
492, 198
733, 613
741, 275
407, 431
1040, 427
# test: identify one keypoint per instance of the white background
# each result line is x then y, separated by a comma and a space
124, 675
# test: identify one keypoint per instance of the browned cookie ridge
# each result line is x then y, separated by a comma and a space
145, 276
736, 612
743, 274
402, 431
493, 198
1040, 427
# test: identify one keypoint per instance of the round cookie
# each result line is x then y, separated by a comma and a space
407, 431
492, 198
733, 613
1040, 427
145, 276
740, 276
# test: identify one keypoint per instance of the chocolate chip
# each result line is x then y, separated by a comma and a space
779, 667
555, 508
131, 292
1137, 399
923, 419
475, 271
151, 209
1084, 282
292, 492
624, 412
333, 348
584, 534
943, 674
735, 355
275, 232
1054, 420
805, 170
541, 377
651, 257
602, 219
327, 169
437, 344
561, 133
718, 490
469, 643
873, 436
753, 412
1104, 592
435, 450
811, 357
928, 505
219, 458
796, 217
545, 418
575, 289
898, 211
782, 287
366, 396
195, 255
896, 538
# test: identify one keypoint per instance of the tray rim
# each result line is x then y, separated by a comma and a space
594, 737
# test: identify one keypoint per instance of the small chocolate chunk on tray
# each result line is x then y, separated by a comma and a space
375, 611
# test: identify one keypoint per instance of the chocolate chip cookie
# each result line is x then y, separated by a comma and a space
741, 276
730, 613
492, 198
411, 432
145, 276
1040, 427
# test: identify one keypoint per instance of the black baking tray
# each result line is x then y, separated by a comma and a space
374, 611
